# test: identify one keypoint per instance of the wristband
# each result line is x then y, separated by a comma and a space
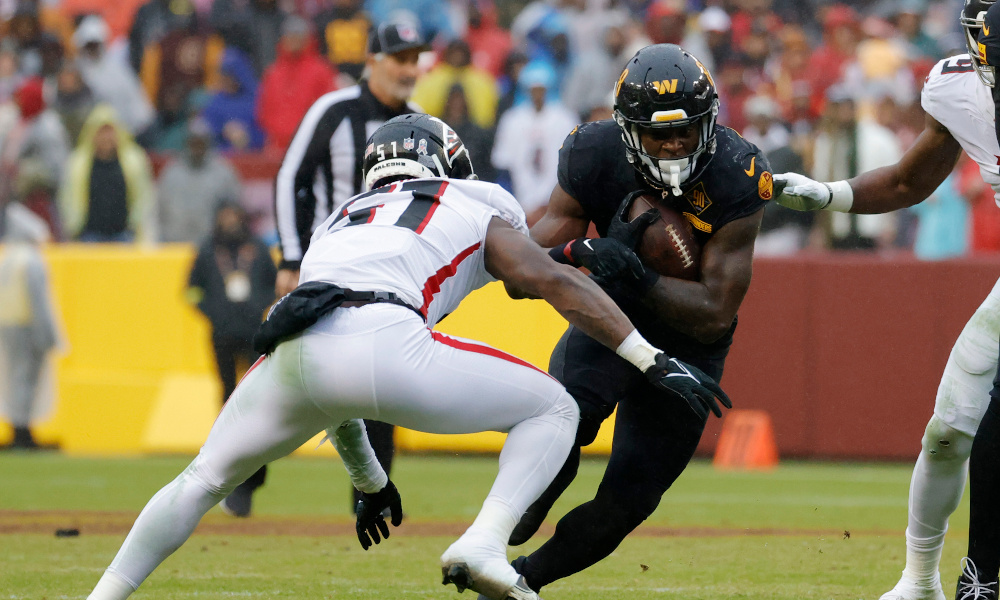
841, 196
638, 351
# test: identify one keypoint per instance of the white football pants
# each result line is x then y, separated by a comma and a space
380, 362
940, 471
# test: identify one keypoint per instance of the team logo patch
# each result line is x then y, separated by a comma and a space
407, 143
422, 146
765, 185
451, 143
369, 150
698, 198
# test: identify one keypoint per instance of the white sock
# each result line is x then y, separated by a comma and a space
496, 519
111, 587
935, 492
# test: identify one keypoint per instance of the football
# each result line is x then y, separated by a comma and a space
668, 246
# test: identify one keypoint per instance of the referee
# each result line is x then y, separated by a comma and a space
322, 166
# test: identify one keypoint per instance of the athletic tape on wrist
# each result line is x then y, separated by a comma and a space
841, 196
638, 351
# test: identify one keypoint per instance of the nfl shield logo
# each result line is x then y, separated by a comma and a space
422, 147
407, 143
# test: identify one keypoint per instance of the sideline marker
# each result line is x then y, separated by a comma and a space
746, 442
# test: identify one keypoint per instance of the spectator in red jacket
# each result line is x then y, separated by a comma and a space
489, 42
298, 77
841, 34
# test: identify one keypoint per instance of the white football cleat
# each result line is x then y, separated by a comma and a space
479, 563
910, 590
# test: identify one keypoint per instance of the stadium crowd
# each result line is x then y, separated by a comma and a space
121, 121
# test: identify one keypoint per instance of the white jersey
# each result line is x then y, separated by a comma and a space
956, 98
422, 239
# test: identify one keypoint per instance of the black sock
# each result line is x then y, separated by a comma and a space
984, 479
585, 536
22, 437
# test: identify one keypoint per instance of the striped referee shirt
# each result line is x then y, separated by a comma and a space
322, 166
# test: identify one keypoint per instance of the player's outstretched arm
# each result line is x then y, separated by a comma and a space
564, 220
513, 258
520, 263
910, 181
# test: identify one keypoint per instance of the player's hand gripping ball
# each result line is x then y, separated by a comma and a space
370, 520
660, 235
690, 383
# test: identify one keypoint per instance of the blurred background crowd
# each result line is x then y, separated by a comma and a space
127, 121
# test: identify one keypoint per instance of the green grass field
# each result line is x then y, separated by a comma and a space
776, 535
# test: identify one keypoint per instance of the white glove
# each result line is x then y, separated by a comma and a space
798, 192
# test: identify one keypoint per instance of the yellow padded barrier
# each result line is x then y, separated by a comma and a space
139, 375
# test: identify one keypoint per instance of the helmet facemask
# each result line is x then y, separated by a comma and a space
669, 173
972, 20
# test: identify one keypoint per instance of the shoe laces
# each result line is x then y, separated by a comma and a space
969, 586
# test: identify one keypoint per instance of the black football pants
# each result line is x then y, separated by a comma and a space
655, 436
233, 356
984, 490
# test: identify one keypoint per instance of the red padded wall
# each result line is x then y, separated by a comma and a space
845, 350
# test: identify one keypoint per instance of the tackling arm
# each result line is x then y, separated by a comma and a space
915, 177
522, 264
564, 220
910, 181
513, 257
705, 309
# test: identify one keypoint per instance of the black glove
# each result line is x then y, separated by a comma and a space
369, 510
629, 233
690, 383
607, 259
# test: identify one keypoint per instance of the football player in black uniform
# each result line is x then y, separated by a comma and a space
664, 140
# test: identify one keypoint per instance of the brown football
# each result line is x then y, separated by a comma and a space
668, 246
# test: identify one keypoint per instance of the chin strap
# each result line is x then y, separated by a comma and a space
675, 180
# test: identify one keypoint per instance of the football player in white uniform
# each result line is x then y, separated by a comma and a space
958, 99
354, 341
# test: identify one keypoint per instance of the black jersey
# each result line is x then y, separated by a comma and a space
594, 169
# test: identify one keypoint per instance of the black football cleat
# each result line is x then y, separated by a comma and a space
970, 585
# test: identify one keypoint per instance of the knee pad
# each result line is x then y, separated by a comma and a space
944, 443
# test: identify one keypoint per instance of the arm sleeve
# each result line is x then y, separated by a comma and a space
294, 197
351, 442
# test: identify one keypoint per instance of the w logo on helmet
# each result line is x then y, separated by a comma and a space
665, 86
